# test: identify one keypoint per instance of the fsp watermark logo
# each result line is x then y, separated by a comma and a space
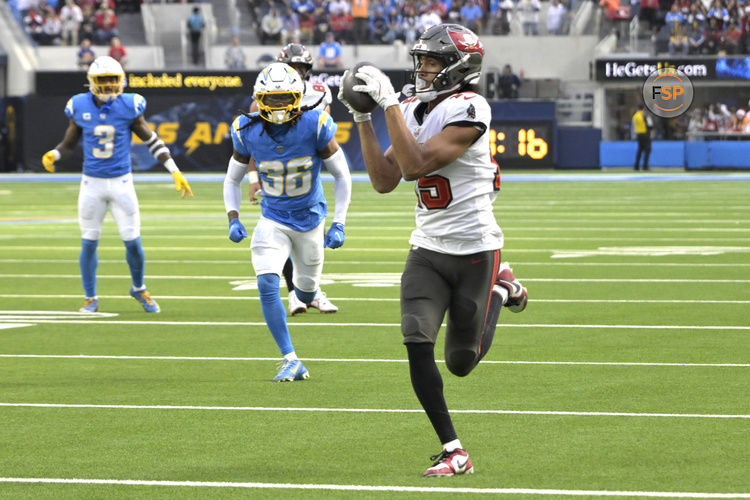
668, 92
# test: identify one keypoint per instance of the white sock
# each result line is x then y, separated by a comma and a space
291, 356
503, 292
142, 288
452, 445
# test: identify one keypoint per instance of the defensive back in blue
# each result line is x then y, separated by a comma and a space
288, 161
106, 131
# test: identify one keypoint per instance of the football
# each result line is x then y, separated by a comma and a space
358, 100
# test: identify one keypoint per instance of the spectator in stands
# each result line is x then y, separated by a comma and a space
378, 26
696, 39
330, 53
117, 51
341, 24
395, 27
678, 41
195, 26
697, 123
52, 28
732, 38
71, 17
85, 55
508, 83
234, 57
33, 23
714, 37
506, 11
88, 26
642, 126
745, 28
530, 16
471, 16
270, 27
427, 20
306, 27
555, 16
718, 12
289, 27
410, 23
338, 7
696, 14
361, 20
106, 25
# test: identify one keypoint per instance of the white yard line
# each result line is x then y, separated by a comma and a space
370, 488
370, 360
363, 324
372, 299
395, 276
376, 410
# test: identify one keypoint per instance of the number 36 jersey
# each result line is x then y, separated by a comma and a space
288, 161
454, 203
106, 132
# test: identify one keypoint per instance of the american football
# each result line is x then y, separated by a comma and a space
358, 100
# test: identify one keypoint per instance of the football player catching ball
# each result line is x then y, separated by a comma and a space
440, 139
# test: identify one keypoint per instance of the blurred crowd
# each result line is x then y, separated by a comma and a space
386, 21
682, 27
719, 118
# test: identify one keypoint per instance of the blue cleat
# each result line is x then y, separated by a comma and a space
91, 305
148, 303
291, 370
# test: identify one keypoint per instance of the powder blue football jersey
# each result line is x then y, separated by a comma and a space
289, 163
106, 132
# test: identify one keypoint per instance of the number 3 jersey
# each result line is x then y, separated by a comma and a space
288, 164
106, 132
454, 204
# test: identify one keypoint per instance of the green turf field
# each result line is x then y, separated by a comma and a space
628, 372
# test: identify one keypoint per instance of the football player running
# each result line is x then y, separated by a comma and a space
440, 139
289, 145
106, 118
316, 96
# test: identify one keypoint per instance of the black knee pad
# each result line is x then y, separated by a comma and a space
412, 330
461, 362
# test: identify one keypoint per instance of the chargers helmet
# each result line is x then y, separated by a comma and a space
298, 57
461, 53
278, 91
106, 78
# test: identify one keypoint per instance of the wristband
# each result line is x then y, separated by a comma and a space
171, 166
252, 176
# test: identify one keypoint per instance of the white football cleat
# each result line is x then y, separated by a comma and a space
296, 306
322, 304
450, 463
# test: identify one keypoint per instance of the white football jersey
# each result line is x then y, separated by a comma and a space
454, 204
313, 93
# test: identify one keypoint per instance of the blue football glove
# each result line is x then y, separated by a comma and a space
237, 231
334, 236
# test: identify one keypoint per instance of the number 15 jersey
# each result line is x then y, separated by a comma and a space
454, 203
106, 132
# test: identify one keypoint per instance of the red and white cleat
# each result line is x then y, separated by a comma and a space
322, 304
517, 295
450, 463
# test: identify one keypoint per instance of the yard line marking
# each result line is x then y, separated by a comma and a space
553, 263
372, 299
258, 323
332, 276
375, 410
356, 487
371, 360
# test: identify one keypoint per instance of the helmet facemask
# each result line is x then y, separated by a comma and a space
278, 107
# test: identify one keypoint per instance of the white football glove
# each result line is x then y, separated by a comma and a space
378, 85
358, 117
